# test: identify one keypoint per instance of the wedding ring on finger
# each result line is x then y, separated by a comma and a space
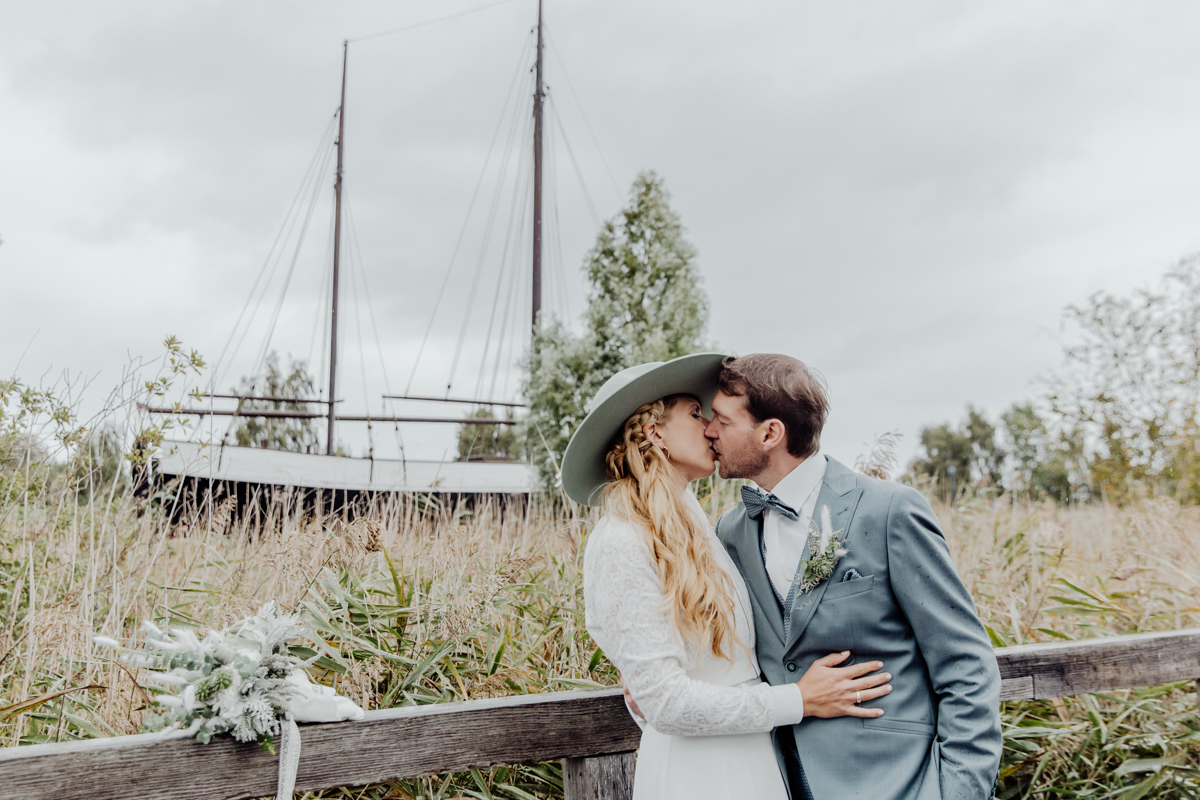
857, 698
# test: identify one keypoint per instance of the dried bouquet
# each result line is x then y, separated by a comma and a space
242, 680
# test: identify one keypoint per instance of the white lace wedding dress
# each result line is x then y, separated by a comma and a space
707, 720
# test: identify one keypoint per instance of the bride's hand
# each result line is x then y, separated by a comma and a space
830, 691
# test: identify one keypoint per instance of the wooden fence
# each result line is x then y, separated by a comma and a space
591, 731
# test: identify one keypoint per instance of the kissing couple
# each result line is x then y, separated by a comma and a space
819, 643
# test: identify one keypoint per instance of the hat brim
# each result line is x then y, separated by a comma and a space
583, 472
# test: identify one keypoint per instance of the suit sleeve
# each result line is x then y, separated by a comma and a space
956, 648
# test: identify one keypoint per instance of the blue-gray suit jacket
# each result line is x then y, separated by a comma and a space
939, 738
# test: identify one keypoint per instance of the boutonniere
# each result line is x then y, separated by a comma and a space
825, 547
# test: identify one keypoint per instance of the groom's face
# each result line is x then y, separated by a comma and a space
734, 437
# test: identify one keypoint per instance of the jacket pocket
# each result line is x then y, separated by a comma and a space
836, 591
899, 726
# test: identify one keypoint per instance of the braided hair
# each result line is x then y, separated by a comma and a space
642, 487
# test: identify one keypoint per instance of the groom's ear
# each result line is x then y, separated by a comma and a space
772, 434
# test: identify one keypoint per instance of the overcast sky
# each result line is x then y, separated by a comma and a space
903, 195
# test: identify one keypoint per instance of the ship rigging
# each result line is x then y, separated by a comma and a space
220, 460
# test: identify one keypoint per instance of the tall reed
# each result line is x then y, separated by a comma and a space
417, 602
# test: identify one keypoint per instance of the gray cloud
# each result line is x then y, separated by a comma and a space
905, 196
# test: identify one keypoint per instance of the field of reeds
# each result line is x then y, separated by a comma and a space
418, 603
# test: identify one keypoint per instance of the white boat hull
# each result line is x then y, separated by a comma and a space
283, 468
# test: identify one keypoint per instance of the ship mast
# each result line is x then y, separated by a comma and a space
337, 249
539, 97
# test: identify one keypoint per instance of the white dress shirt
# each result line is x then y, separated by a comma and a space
783, 539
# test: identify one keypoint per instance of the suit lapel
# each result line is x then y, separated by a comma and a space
741, 539
840, 494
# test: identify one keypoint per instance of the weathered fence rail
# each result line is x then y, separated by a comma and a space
591, 731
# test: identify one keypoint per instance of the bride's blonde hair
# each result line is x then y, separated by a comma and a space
642, 487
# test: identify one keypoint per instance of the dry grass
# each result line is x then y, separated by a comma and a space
421, 604
1039, 572
1118, 570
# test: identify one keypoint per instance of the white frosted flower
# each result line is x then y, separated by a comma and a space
187, 639
257, 706
167, 679
228, 702
244, 676
165, 644
826, 527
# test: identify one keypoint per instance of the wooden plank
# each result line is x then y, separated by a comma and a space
1059, 669
1016, 688
576, 726
603, 778
388, 744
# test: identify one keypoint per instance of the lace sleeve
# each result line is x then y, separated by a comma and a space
626, 617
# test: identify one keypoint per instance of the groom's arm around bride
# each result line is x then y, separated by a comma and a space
892, 594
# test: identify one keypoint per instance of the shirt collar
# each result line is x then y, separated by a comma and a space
798, 484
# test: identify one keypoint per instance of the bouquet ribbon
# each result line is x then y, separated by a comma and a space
310, 702
289, 758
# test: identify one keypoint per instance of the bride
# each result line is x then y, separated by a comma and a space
666, 604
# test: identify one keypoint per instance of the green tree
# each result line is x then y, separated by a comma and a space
1027, 436
488, 440
972, 451
646, 303
988, 460
298, 435
1130, 386
1057, 474
1185, 461
944, 448
1039, 461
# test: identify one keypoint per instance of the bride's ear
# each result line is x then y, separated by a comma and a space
652, 434
655, 437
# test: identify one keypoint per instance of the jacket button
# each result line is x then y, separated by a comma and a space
791, 666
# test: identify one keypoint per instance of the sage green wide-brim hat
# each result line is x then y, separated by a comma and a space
583, 472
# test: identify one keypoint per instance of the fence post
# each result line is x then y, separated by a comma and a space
599, 778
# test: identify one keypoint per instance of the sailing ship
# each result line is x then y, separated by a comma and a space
232, 469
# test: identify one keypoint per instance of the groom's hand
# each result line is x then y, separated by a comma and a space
629, 701
830, 690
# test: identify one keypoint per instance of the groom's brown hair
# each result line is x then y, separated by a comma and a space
780, 387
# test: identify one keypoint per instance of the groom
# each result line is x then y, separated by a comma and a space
885, 589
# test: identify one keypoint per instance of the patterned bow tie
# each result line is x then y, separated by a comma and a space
757, 501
